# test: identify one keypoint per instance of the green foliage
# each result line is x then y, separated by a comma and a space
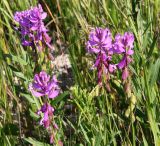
35, 142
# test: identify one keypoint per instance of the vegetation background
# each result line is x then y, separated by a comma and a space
86, 114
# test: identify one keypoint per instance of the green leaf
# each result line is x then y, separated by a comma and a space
144, 140
85, 134
28, 97
20, 75
10, 129
35, 142
19, 60
98, 139
33, 114
154, 72
13, 68
59, 98
152, 46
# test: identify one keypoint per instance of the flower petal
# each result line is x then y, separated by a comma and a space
122, 63
112, 68
53, 93
44, 15
130, 52
125, 74
37, 94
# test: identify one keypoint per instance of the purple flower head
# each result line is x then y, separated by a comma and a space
123, 45
47, 111
104, 65
123, 42
126, 59
118, 45
99, 40
100, 43
128, 39
32, 27
43, 85
123, 64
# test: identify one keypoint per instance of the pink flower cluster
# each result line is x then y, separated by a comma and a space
32, 28
123, 45
47, 120
42, 85
47, 110
101, 44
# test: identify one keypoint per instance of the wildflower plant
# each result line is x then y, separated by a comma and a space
44, 88
101, 44
32, 28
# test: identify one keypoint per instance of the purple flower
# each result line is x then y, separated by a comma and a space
100, 43
103, 65
51, 138
123, 45
47, 111
43, 85
101, 58
118, 45
126, 59
55, 126
112, 68
128, 39
123, 64
123, 42
32, 27
99, 40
